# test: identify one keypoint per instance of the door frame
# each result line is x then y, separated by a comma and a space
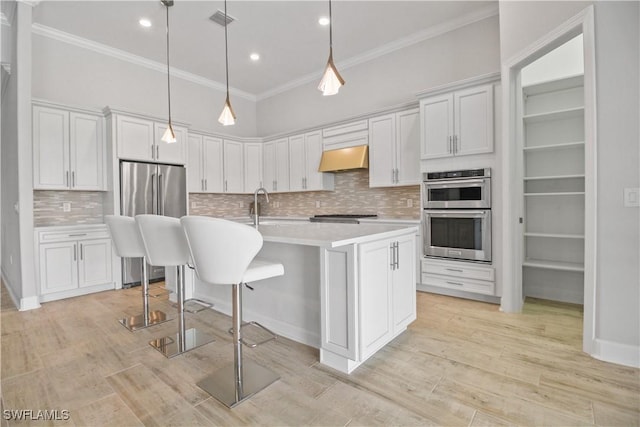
512, 298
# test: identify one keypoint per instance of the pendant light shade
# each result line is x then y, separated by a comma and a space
331, 79
169, 135
227, 117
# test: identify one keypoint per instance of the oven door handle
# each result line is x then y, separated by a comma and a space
456, 213
456, 183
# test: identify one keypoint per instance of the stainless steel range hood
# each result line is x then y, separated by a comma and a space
345, 159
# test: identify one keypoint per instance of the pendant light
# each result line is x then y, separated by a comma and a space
227, 117
331, 80
169, 135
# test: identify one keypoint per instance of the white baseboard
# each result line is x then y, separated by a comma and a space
621, 354
459, 294
23, 304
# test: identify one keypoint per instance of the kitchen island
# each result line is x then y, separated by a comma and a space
348, 289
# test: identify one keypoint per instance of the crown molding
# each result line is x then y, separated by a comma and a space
431, 32
32, 3
72, 39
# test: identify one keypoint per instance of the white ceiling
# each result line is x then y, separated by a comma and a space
286, 34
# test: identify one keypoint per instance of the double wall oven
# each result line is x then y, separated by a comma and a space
457, 214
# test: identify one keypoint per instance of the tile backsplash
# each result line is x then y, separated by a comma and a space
352, 195
86, 208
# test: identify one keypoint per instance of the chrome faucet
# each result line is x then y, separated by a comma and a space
256, 216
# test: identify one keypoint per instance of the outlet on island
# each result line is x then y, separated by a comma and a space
66, 206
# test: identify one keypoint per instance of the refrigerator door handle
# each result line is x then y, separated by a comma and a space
154, 194
160, 199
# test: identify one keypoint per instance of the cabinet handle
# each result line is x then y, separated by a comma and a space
392, 254
75, 252
160, 196
206, 184
66, 179
455, 283
397, 180
455, 144
73, 179
450, 146
77, 235
393, 176
81, 252
202, 184
157, 152
225, 185
397, 255
455, 269
153, 147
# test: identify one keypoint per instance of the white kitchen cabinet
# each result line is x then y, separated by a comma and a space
205, 164
252, 158
387, 291
233, 167
141, 139
305, 151
73, 261
394, 149
68, 150
459, 275
276, 165
457, 123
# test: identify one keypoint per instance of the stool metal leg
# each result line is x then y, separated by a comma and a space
147, 318
185, 339
234, 383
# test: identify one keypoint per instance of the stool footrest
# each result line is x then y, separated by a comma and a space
134, 323
176, 344
252, 344
159, 292
203, 305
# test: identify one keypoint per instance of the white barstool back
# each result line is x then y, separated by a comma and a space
125, 235
165, 245
128, 244
221, 250
163, 240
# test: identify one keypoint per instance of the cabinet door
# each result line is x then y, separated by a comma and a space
86, 150
408, 147
58, 267
297, 160
94, 266
382, 141
173, 152
135, 138
374, 288
474, 120
51, 169
233, 167
282, 165
213, 164
436, 117
195, 161
269, 166
252, 166
403, 284
313, 153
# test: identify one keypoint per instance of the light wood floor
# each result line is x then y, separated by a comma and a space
461, 363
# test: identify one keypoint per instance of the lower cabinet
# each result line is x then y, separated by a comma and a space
73, 261
459, 275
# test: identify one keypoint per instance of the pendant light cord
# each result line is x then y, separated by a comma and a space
168, 76
226, 47
330, 30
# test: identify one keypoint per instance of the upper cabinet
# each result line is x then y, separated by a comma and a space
233, 167
305, 151
252, 166
141, 139
205, 173
276, 165
394, 147
68, 150
457, 123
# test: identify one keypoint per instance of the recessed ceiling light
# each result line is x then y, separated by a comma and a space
254, 56
144, 22
323, 21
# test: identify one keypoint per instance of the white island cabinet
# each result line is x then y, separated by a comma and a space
348, 289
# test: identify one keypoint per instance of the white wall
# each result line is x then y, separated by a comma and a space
617, 318
564, 61
388, 80
75, 75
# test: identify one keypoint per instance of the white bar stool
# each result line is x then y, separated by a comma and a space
223, 253
165, 245
127, 243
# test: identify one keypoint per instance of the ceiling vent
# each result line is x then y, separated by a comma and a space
221, 19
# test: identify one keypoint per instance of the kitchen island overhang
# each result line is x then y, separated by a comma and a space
348, 289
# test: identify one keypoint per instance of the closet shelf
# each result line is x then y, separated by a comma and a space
555, 235
536, 178
554, 146
554, 85
553, 265
565, 193
554, 115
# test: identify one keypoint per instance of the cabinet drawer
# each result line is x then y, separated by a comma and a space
463, 270
72, 235
469, 285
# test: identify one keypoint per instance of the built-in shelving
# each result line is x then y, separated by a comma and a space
554, 189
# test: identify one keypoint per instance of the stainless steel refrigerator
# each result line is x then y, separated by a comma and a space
149, 188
